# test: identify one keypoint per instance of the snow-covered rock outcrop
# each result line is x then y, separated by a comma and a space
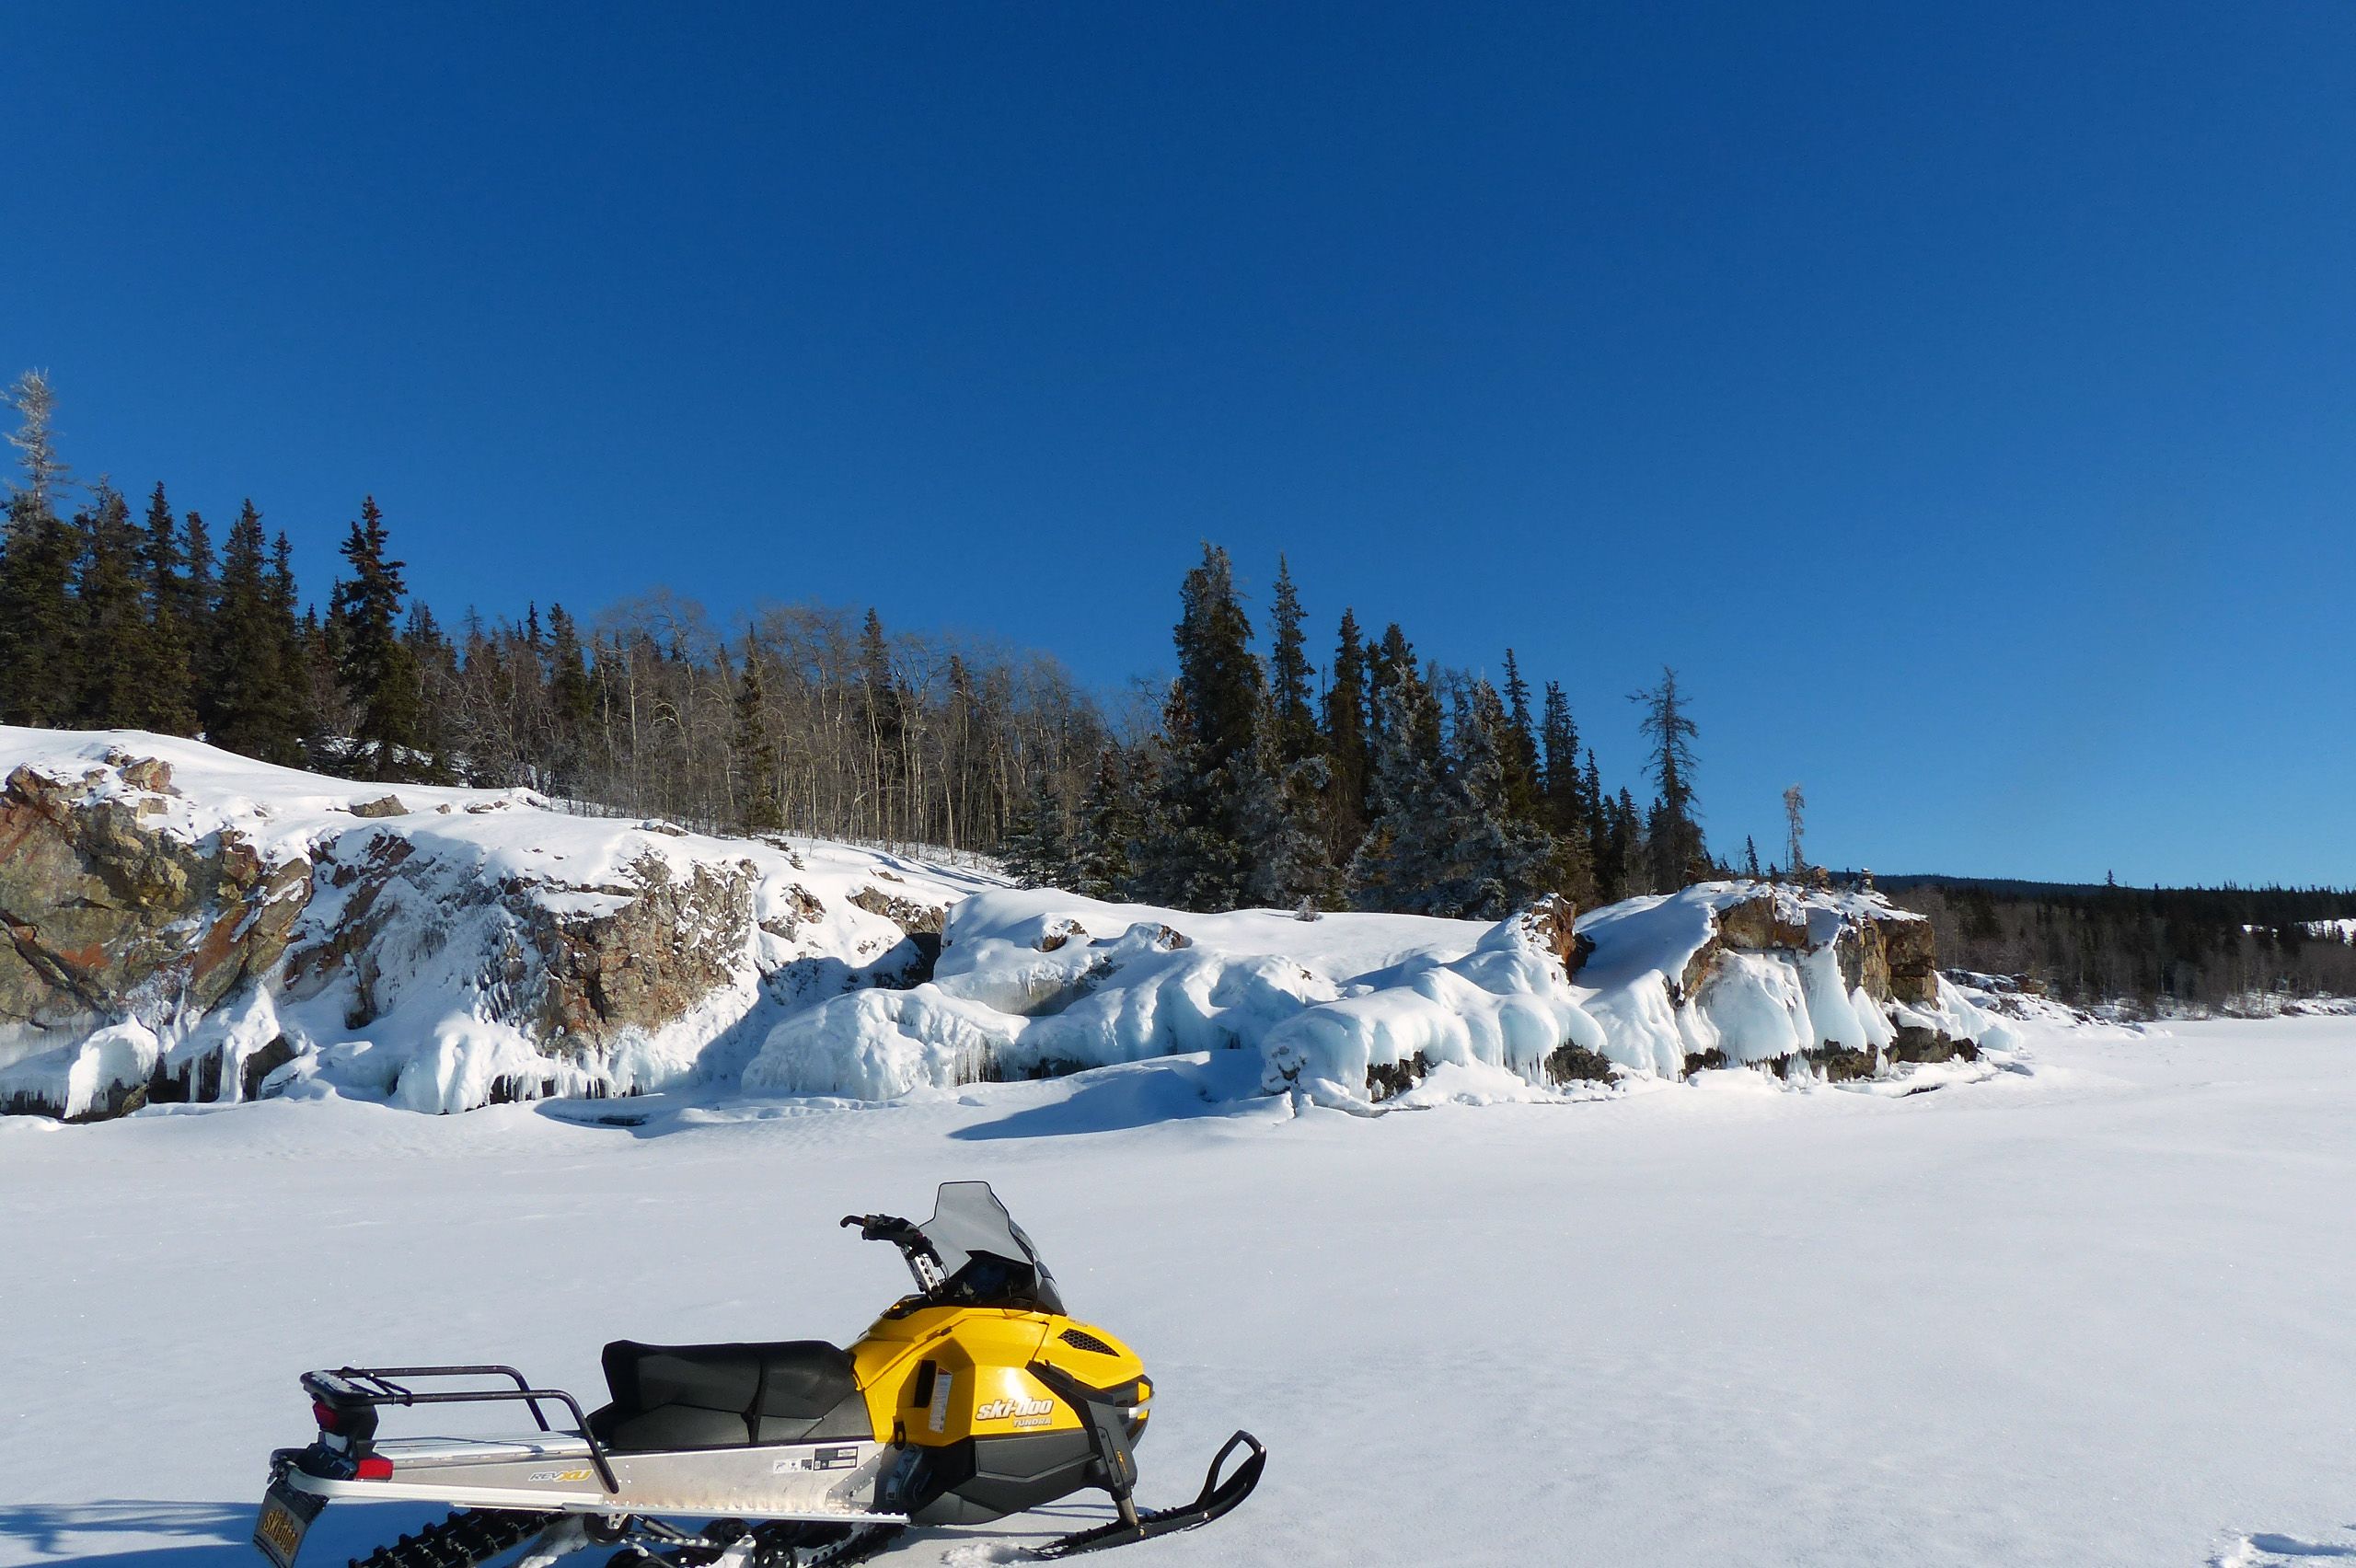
1729, 973
1349, 1008
182, 923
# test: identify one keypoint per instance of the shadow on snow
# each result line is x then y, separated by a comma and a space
1137, 1095
141, 1533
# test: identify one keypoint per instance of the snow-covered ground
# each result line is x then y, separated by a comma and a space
2099, 1311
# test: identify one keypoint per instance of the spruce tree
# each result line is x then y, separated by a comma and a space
1109, 820
1599, 828
200, 586
1192, 852
1632, 856
885, 715
568, 690
1037, 851
160, 553
1560, 784
1390, 659
1398, 860
1290, 672
1345, 745
167, 700
1446, 841
1188, 853
1498, 860
244, 699
112, 662
435, 659
1278, 821
37, 615
304, 715
1564, 808
753, 751
1678, 856
373, 667
1519, 745
1217, 674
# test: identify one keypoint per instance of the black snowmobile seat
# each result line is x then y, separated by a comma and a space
726, 1396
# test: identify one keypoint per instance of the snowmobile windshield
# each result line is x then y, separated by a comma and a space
988, 1259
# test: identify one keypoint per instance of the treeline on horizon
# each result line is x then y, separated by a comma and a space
1389, 784
2159, 948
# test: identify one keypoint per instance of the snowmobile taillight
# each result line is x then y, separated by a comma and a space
330, 1418
375, 1466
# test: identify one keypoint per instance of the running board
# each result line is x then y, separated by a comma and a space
553, 1501
1218, 1498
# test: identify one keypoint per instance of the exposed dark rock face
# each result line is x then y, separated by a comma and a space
1386, 1080
1838, 1063
1912, 959
664, 953
802, 907
649, 950
1917, 1044
105, 919
907, 914
1550, 925
1576, 1064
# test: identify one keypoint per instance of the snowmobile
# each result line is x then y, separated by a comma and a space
970, 1399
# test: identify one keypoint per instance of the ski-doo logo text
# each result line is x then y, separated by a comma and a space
1006, 1410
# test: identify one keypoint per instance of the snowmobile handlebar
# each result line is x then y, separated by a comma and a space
923, 1258
884, 1227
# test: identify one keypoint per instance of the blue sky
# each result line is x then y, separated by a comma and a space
1962, 399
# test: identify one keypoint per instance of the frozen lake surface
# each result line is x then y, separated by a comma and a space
2101, 1311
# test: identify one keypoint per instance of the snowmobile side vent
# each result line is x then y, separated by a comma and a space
921, 1395
1081, 1339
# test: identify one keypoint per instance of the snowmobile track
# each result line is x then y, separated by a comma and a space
465, 1538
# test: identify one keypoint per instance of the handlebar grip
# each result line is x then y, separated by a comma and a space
880, 1226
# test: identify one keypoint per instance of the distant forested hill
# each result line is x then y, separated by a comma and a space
2162, 948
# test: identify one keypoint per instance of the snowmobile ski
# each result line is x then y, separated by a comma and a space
972, 1398
1218, 1498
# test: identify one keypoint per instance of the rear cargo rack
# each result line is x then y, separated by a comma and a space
377, 1386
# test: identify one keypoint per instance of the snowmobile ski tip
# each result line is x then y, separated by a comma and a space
1217, 1497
